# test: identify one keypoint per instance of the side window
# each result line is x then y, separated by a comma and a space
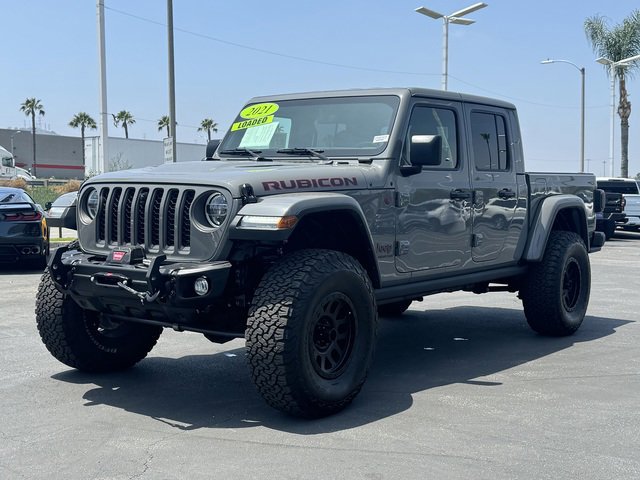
489, 139
435, 121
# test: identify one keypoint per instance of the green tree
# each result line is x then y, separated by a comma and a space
32, 107
209, 126
164, 122
125, 118
617, 43
83, 121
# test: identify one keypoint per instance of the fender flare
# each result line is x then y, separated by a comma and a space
301, 205
546, 216
293, 204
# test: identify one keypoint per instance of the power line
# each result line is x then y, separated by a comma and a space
269, 52
339, 65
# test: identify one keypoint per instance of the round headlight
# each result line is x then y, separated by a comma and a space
92, 204
216, 209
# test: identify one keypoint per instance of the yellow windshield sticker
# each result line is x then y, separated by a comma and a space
255, 122
259, 110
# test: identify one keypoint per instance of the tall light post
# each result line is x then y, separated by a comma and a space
582, 72
102, 164
612, 74
455, 18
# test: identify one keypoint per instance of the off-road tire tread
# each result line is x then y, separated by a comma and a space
67, 343
273, 307
539, 294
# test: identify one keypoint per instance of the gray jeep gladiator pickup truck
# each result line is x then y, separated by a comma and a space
316, 212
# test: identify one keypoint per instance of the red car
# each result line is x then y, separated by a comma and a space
23, 229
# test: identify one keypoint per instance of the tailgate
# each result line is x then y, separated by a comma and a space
633, 204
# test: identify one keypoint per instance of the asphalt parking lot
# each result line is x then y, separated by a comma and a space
461, 388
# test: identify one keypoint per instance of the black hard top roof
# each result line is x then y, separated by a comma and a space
401, 92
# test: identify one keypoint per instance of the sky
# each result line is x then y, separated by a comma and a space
228, 52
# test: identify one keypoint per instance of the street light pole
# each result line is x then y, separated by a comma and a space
582, 74
612, 73
445, 53
102, 164
456, 18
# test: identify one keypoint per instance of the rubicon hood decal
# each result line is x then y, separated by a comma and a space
303, 183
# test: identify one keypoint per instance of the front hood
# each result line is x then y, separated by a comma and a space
266, 178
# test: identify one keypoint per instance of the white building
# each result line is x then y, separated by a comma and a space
134, 153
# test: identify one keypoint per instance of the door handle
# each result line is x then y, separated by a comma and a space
460, 194
506, 193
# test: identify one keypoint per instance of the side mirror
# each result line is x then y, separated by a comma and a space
47, 206
426, 150
68, 217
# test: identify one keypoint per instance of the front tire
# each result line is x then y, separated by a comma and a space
555, 293
311, 332
87, 340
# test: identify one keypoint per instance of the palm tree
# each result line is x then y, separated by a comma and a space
31, 107
83, 120
125, 118
615, 44
164, 122
209, 125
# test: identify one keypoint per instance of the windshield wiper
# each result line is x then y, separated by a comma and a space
305, 151
245, 151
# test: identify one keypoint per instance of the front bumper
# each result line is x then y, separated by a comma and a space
152, 290
633, 220
617, 217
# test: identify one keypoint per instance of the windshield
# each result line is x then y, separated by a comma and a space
341, 126
65, 200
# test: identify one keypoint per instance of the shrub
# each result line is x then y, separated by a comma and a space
15, 183
70, 186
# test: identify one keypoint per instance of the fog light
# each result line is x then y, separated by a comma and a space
201, 286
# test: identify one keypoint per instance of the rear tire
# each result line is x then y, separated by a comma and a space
555, 293
85, 339
311, 332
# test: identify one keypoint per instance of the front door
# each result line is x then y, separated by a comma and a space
434, 205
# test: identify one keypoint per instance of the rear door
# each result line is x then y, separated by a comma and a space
494, 184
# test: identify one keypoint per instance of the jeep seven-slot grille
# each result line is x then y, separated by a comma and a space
156, 218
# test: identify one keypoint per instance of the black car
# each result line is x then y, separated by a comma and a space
23, 228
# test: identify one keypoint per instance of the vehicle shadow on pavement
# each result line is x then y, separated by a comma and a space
416, 352
19, 269
624, 236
